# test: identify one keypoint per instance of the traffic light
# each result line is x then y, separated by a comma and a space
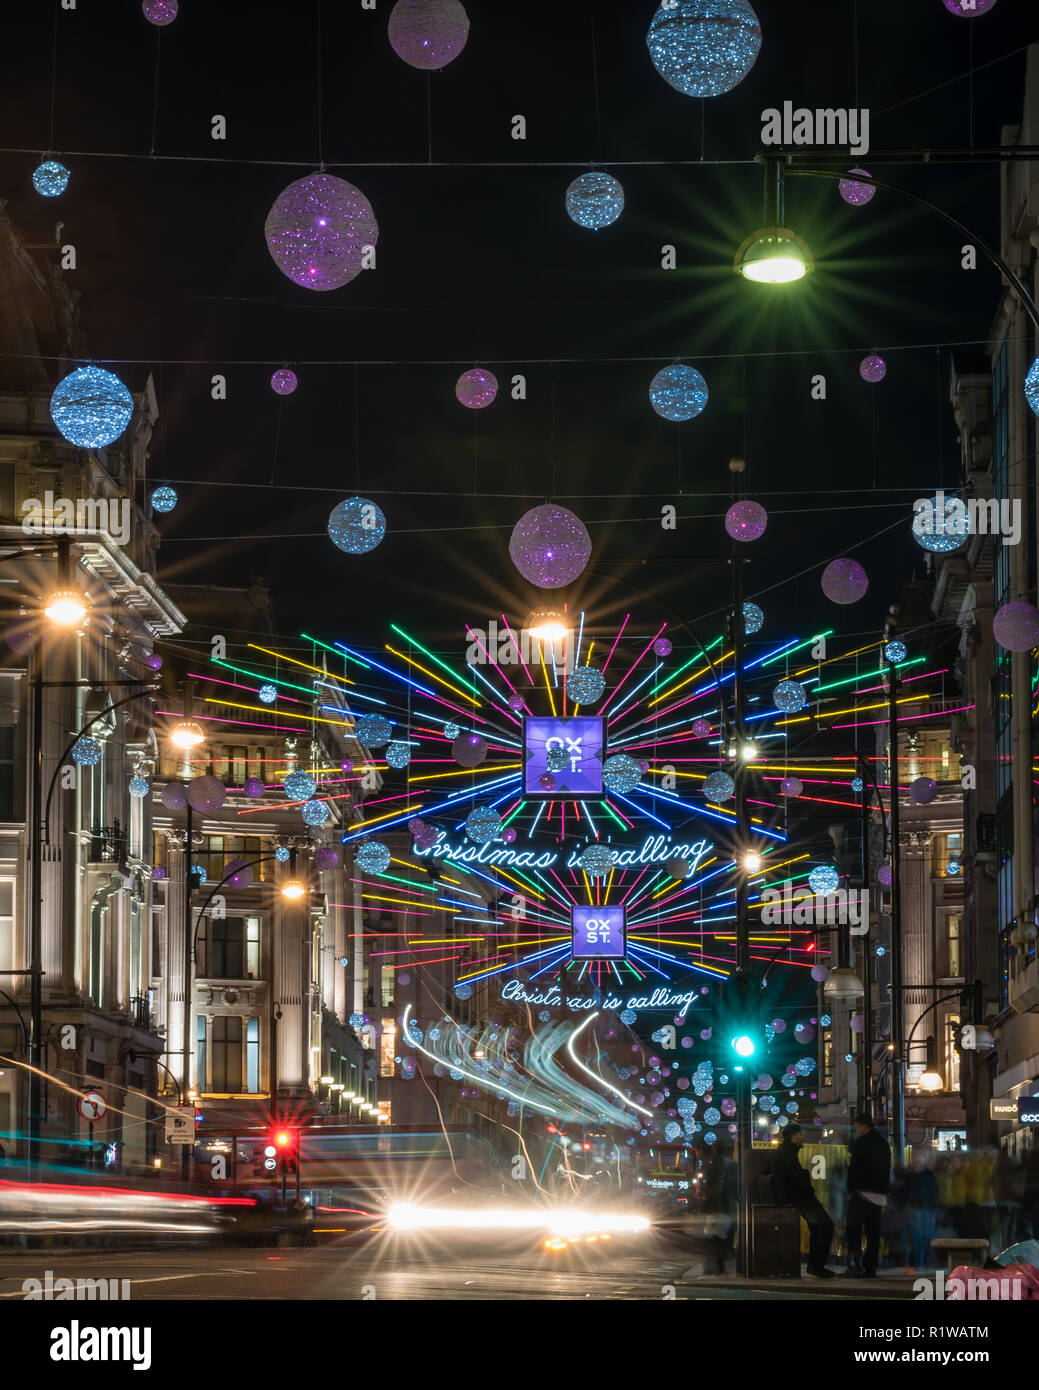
281, 1152
741, 1033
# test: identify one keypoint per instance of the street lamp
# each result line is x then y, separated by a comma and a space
293, 888
66, 607
843, 983
186, 733
752, 861
773, 256
547, 625
931, 1077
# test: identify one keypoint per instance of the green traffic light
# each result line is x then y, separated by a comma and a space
743, 1045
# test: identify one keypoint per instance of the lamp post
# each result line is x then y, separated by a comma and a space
897, 1108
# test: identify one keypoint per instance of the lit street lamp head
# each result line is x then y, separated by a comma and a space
66, 608
547, 625
186, 734
773, 256
292, 888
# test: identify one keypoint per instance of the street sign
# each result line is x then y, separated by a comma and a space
180, 1126
1002, 1109
92, 1106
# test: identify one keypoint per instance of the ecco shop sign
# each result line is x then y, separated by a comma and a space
1028, 1110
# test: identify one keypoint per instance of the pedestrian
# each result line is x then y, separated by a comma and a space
793, 1186
869, 1180
923, 1212
3, 1153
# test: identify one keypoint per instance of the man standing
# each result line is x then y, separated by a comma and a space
793, 1186
869, 1180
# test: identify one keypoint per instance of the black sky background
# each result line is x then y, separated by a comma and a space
478, 262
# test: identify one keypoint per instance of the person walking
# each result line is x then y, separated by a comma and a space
869, 1180
793, 1187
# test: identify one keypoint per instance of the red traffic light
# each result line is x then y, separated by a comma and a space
283, 1139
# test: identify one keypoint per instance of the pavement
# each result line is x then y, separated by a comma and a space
378, 1267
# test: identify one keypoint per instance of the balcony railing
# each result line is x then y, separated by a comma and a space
141, 1013
107, 844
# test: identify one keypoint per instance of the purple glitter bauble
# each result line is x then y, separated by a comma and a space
764, 1082
820, 973
428, 34
284, 382
804, 1033
856, 1023
206, 794
509, 836
174, 796
968, 9
154, 662
426, 839
701, 727
469, 750
746, 521
884, 875
923, 790
844, 581
240, 873
160, 12
873, 369
416, 825
158, 871
791, 786
477, 388
254, 787
550, 546
662, 646
1016, 627
779, 1025
326, 859
516, 702
547, 782
857, 194
317, 231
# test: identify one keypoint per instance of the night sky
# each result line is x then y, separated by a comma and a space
478, 262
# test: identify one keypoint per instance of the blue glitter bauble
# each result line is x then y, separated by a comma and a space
719, 787
678, 392
597, 860
628, 1016
282, 854
825, 1020
753, 618
413, 1033
556, 759
451, 731
85, 752
268, 694
1032, 387
789, 696
594, 200
710, 1137
804, 1066
711, 1115
373, 730
91, 407
373, 857
704, 48
824, 879
586, 685
164, 499
355, 1020
463, 991
314, 812
300, 786
941, 526
672, 1131
791, 1107
50, 179
139, 786
398, 754
621, 773
198, 873
356, 526
857, 784
483, 825
895, 652
953, 868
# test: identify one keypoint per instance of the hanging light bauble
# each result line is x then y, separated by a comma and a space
704, 48
550, 546
91, 407
319, 230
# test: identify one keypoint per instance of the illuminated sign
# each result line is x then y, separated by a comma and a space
579, 740
552, 997
1028, 1110
656, 849
597, 933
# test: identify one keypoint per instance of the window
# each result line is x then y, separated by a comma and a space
6, 927
388, 1047
200, 1053
227, 1056
237, 764
951, 1060
220, 948
6, 774
252, 1055
948, 849
954, 957
252, 948
827, 1058
389, 981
